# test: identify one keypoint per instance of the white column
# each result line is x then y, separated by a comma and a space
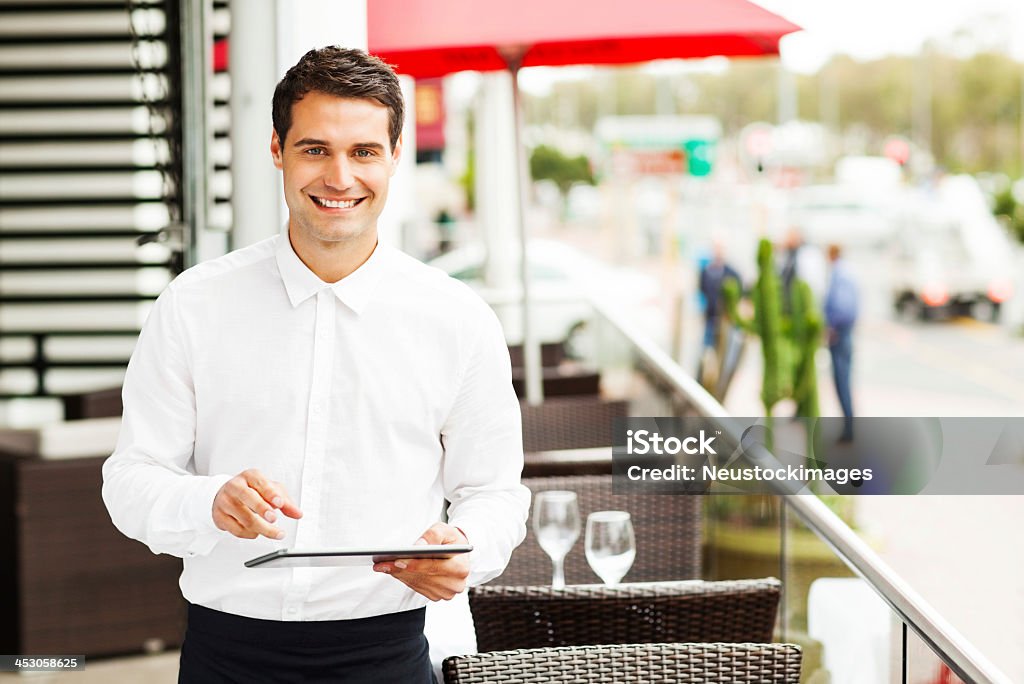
253, 65
497, 199
497, 163
398, 217
306, 24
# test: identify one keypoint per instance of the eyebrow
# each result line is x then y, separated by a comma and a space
323, 143
309, 141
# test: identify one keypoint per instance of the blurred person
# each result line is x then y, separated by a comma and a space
842, 304
320, 389
803, 261
712, 278
445, 223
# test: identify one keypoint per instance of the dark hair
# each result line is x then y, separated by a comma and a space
341, 72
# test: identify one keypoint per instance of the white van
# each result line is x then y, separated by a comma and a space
952, 256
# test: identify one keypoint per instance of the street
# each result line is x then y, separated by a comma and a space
963, 554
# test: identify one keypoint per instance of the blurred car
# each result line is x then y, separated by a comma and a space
952, 256
562, 281
848, 215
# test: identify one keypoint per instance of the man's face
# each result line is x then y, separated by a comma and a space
337, 162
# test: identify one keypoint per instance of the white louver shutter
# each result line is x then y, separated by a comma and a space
90, 183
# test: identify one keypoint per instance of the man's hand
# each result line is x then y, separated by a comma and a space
245, 505
436, 579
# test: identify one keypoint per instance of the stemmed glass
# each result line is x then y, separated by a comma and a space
556, 522
610, 545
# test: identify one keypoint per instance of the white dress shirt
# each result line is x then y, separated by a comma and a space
371, 400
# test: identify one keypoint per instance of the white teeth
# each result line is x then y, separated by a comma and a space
339, 204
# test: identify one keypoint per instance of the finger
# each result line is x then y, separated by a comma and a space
272, 492
446, 567
230, 524
263, 486
262, 527
253, 522
250, 498
284, 501
422, 566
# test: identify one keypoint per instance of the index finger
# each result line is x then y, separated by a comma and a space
273, 493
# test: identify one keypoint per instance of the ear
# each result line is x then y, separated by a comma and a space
396, 155
275, 149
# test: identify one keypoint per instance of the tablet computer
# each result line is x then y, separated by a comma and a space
326, 558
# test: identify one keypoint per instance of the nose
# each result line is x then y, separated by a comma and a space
339, 173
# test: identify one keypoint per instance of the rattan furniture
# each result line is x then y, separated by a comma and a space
69, 581
551, 354
657, 612
631, 664
668, 535
561, 382
570, 423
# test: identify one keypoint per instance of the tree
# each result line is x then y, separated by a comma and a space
548, 163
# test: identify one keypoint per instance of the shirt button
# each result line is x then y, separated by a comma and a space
316, 410
292, 610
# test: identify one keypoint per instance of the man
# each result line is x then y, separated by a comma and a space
712, 278
317, 390
841, 308
801, 261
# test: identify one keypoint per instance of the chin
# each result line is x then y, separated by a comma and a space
340, 235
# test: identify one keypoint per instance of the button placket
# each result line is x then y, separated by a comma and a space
308, 533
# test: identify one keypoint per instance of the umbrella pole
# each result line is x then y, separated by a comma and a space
531, 346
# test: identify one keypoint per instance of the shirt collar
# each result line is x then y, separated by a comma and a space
354, 290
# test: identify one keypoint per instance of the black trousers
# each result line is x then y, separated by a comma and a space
222, 648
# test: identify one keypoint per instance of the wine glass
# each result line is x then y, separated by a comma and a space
610, 545
556, 522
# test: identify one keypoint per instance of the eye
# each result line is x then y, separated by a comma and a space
364, 153
316, 151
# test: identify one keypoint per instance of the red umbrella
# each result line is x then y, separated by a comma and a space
429, 38
438, 37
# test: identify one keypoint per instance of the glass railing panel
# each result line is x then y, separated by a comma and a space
741, 536
846, 630
749, 536
922, 665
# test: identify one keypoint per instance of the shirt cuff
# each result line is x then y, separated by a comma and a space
198, 506
483, 563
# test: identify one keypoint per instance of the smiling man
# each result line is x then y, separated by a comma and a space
320, 389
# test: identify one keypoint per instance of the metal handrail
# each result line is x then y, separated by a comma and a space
966, 661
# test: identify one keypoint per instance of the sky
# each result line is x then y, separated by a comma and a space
870, 29
863, 29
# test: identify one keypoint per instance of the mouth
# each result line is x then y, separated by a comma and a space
325, 203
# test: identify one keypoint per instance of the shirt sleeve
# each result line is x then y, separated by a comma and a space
483, 460
150, 486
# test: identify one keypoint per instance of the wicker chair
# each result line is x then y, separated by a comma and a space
731, 611
631, 664
668, 535
570, 423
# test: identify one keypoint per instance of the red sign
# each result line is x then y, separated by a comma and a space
648, 162
897, 149
429, 114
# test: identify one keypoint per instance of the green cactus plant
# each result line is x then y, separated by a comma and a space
788, 342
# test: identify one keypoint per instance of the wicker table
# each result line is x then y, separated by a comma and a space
593, 461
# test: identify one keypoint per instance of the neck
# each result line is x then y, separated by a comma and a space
333, 261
